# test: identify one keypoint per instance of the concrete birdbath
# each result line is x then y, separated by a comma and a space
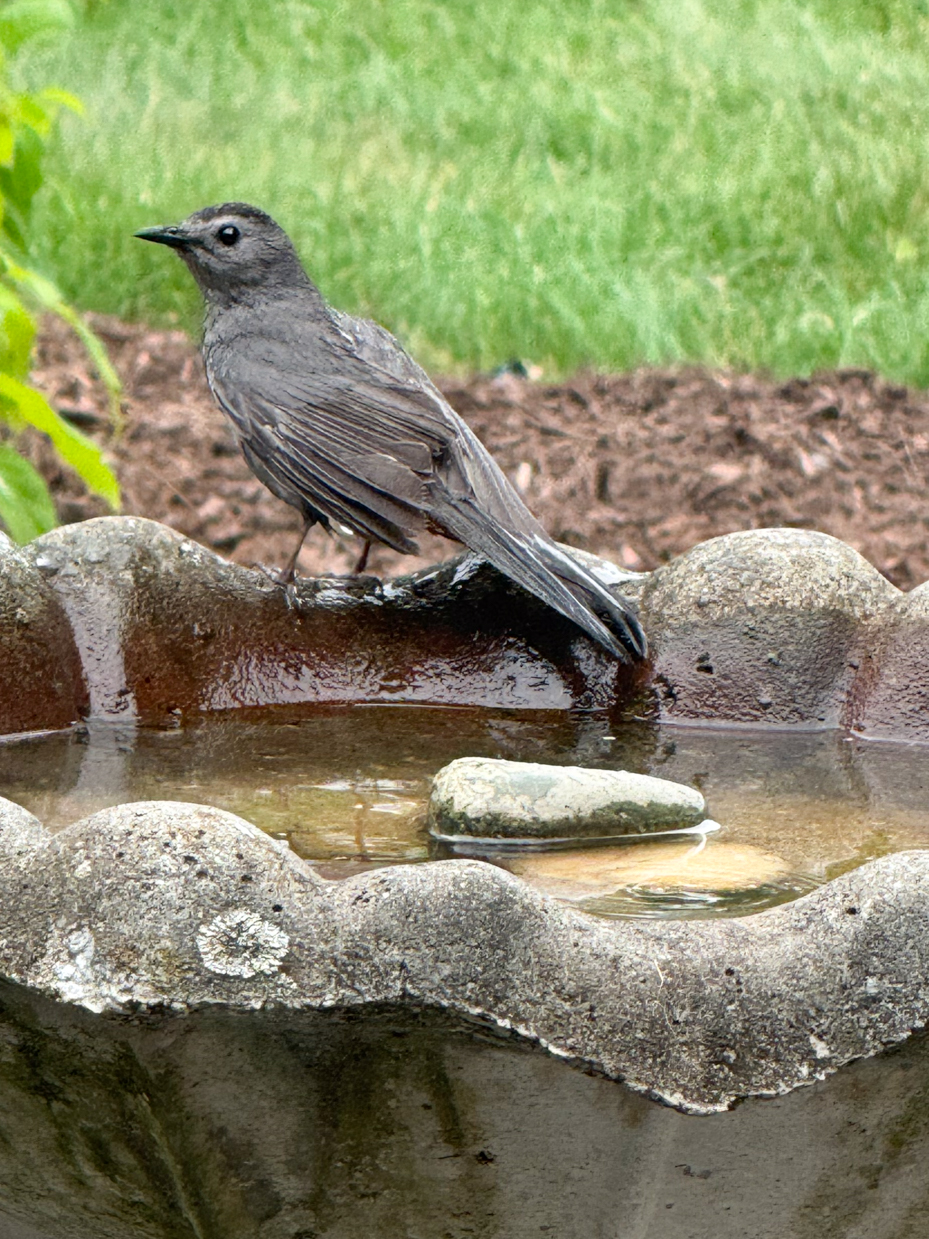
243, 993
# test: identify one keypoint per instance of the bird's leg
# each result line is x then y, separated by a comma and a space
288, 574
362, 559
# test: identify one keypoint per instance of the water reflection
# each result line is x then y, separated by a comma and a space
347, 786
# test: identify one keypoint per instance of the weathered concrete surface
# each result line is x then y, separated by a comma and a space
41, 682
773, 627
891, 696
277, 1124
182, 1053
485, 797
168, 905
181, 1044
20, 831
768, 626
167, 628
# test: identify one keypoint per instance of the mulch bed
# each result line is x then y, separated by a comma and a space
635, 467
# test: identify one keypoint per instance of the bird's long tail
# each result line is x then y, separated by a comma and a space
539, 566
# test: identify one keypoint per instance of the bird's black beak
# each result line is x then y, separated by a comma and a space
173, 235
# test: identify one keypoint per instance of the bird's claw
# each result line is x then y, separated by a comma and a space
284, 580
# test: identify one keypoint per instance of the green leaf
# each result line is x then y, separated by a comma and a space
49, 298
63, 98
17, 333
25, 120
26, 507
20, 182
98, 355
79, 451
41, 289
12, 220
6, 142
28, 19
28, 112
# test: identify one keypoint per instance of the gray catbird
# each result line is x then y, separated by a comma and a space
336, 419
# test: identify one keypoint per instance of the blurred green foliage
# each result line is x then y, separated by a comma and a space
603, 182
26, 120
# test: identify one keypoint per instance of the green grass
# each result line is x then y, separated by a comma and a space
575, 182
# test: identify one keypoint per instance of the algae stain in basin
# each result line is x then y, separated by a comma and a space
171, 628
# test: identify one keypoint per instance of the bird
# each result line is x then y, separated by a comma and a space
336, 419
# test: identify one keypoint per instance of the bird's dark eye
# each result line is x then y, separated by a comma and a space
228, 234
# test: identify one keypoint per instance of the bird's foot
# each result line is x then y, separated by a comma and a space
351, 580
284, 578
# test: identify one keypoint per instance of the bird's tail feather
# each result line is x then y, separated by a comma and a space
550, 574
618, 613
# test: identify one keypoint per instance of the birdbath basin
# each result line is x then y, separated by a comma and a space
244, 994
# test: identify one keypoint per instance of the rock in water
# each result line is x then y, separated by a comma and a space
481, 797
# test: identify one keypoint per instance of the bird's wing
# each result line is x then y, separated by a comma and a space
471, 499
461, 463
373, 344
357, 448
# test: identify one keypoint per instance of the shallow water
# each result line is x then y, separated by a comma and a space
348, 788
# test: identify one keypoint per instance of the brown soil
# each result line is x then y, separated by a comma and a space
636, 467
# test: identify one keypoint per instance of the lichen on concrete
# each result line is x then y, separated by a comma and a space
241, 944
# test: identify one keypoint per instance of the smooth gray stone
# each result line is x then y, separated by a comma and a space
490, 798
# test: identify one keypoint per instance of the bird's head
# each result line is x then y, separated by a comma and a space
231, 249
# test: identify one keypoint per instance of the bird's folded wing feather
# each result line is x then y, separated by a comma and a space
361, 429
357, 450
465, 468
473, 501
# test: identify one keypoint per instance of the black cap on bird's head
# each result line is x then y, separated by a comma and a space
232, 248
